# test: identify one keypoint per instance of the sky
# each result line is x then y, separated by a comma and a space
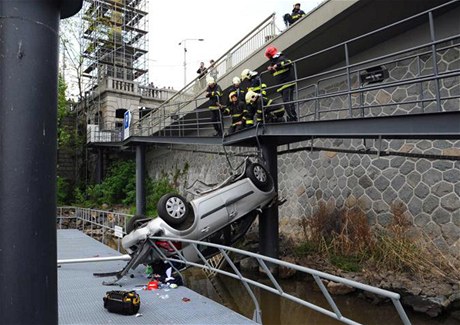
220, 23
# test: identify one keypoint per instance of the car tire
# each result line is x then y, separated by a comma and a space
173, 209
133, 222
260, 177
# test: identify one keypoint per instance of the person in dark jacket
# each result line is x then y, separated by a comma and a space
296, 14
214, 93
201, 73
236, 109
236, 87
256, 85
263, 106
282, 69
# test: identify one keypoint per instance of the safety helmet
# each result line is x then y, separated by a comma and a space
236, 81
233, 93
246, 74
250, 96
270, 52
210, 80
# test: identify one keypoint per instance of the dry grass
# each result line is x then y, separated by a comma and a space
347, 237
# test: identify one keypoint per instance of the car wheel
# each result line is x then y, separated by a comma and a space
260, 177
134, 222
173, 209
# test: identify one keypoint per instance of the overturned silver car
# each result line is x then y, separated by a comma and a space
221, 215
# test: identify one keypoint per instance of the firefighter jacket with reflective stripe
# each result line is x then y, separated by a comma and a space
257, 86
215, 96
268, 108
236, 110
284, 72
240, 93
296, 15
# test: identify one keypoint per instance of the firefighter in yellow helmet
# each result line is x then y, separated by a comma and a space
257, 86
236, 109
263, 107
236, 87
214, 93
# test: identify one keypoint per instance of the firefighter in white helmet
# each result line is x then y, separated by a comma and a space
214, 93
236, 87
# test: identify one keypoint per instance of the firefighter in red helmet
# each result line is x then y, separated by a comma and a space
282, 69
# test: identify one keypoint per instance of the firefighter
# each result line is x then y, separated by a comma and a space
295, 16
236, 109
214, 93
255, 85
262, 105
236, 87
282, 69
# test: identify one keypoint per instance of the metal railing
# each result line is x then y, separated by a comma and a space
93, 222
98, 224
250, 43
267, 264
427, 82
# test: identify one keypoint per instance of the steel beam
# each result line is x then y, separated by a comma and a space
28, 137
140, 180
268, 222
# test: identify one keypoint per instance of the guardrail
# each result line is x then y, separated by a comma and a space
343, 92
98, 224
88, 220
254, 40
267, 264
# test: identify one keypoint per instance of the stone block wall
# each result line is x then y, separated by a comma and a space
428, 189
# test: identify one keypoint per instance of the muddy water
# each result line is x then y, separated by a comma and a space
277, 311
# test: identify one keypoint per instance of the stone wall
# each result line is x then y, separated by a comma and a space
428, 189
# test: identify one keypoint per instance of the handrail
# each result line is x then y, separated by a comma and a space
220, 60
265, 263
160, 122
90, 216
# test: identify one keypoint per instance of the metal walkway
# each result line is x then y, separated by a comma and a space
80, 293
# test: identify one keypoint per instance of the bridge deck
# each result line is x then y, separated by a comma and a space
80, 293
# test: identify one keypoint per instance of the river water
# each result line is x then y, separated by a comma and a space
281, 311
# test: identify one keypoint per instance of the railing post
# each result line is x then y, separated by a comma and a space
29, 34
140, 180
435, 61
347, 62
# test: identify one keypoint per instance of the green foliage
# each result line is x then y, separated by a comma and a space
64, 134
348, 263
155, 190
306, 248
119, 188
63, 191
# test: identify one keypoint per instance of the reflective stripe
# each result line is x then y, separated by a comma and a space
280, 72
249, 121
269, 102
236, 115
285, 86
213, 107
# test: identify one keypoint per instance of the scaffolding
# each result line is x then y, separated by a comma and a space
115, 40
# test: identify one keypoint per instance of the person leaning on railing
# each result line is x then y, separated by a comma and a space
255, 85
214, 93
282, 69
262, 105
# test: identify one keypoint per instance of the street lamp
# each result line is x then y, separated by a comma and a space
184, 42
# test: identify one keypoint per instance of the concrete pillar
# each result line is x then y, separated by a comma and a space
268, 223
28, 135
140, 180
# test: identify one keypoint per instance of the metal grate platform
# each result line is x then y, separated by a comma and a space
80, 293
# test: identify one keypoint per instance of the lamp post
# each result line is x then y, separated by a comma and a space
184, 42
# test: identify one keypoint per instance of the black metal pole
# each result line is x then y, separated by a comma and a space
99, 166
268, 223
28, 101
140, 180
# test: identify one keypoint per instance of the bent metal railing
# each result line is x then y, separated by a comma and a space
419, 72
88, 220
266, 264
